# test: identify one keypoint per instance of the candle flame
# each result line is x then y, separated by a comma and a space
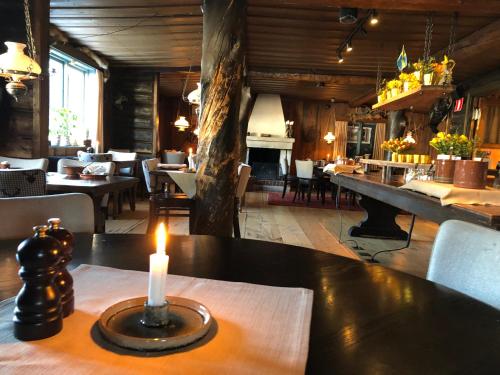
161, 238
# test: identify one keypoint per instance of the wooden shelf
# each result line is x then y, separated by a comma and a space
418, 100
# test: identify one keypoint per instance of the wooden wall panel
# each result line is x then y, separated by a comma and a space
133, 111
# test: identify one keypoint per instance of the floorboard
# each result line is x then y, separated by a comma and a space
314, 228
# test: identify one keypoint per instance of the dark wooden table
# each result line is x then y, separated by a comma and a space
382, 202
366, 319
96, 189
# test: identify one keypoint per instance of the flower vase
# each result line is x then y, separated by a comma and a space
394, 92
428, 79
406, 86
401, 158
394, 157
418, 75
470, 174
409, 158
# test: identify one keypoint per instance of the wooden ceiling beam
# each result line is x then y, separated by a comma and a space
308, 77
367, 98
484, 40
469, 7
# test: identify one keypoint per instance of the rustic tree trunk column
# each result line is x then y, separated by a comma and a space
218, 147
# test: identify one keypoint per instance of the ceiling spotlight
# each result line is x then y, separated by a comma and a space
348, 47
374, 18
341, 59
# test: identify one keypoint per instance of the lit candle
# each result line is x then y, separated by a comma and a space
190, 151
327, 157
158, 268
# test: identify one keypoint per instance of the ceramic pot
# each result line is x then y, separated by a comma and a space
394, 157
416, 158
409, 158
394, 92
406, 86
401, 158
445, 169
470, 174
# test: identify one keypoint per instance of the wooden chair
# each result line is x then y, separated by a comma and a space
306, 178
244, 171
466, 257
287, 178
167, 205
149, 165
94, 157
129, 162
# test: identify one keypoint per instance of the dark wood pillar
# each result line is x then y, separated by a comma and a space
224, 24
40, 26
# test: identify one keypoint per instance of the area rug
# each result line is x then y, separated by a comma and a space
274, 198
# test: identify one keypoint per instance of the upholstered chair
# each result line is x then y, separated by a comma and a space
94, 157
173, 157
22, 183
18, 163
149, 165
306, 178
466, 257
19, 215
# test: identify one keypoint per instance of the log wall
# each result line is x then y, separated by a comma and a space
132, 112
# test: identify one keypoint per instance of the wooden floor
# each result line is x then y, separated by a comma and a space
315, 228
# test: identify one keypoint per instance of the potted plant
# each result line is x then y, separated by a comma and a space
445, 163
391, 146
470, 172
394, 86
66, 122
418, 66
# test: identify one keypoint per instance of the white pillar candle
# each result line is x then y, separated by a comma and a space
158, 269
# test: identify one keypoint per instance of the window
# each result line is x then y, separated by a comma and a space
73, 100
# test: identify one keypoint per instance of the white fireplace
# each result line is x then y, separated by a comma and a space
267, 129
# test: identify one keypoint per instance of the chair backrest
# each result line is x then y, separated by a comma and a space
19, 215
173, 157
147, 166
243, 177
42, 164
466, 257
124, 156
107, 167
284, 166
22, 183
304, 168
94, 157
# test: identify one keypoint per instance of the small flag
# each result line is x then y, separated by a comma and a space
402, 60
459, 104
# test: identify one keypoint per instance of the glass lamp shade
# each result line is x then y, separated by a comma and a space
182, 123
17, 66
194, 96
329, 137
409, 138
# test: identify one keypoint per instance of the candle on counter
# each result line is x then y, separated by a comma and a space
158, 268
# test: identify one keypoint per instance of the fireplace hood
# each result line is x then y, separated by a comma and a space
266, 127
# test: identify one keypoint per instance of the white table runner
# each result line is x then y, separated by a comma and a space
260, 330
449, 194
185, 180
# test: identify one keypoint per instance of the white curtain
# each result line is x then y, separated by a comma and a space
100, 112
340, 143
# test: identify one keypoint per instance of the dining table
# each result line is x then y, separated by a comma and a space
183, 179
96, 189
366, 318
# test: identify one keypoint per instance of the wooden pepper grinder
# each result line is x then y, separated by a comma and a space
38, 311
64, 280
